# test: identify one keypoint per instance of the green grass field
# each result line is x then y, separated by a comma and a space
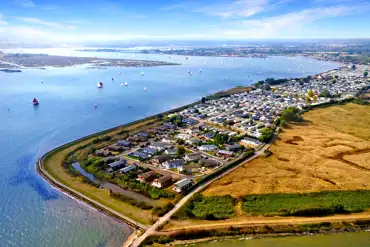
307, 204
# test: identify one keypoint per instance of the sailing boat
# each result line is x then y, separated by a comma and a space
144, 88
126, 83
100, 85
35, 102
142, 72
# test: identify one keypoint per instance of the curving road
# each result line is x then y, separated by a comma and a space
153, 229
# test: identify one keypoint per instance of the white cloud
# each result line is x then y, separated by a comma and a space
25, 3
2, 22
240, 8
37, 21
288, 24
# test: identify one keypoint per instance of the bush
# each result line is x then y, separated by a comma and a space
102, 139
307, 204
267, 134
207, 208
213, 207
291, 114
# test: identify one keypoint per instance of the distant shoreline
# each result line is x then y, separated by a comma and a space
16, 62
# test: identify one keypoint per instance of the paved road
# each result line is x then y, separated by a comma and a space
152, 229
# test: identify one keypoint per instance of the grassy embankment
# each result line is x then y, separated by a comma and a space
53, 164
226, 93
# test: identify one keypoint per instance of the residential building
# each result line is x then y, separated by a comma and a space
103, 153
146, 177
233, 147
209, 162
160, 146
170, 164
208, 147
162, 158
114, 148
150, 151
192, 157
183, 136
251, 142
112, 167
224, 153
183, 185
127, 169
171, 151
161, 182
124, 143
190, 121
139, 154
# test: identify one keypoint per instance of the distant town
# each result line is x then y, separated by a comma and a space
16, 62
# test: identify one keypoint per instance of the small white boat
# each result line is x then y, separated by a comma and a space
119, 73
144, 88
200, 71
78, 77
126, 84
100, 85
122, 84
142, 72
42, 81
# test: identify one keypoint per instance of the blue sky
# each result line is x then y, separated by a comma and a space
82, 21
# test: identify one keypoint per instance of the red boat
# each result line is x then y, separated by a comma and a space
35, 102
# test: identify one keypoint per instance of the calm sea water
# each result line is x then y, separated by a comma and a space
32, 213
358, 239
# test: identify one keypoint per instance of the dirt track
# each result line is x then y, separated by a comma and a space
253, 221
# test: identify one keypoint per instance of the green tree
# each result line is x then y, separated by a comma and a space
203, 100
180, 150
291, 114
266, 134
325, 93
366, 74
310, 93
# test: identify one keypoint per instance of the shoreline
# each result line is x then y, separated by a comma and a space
19, 61
244, 237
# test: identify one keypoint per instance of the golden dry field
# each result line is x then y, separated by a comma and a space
329, 151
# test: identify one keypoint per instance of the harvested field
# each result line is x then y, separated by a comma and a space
329, 151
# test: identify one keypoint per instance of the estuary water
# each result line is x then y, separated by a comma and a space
358, 239
34, 214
